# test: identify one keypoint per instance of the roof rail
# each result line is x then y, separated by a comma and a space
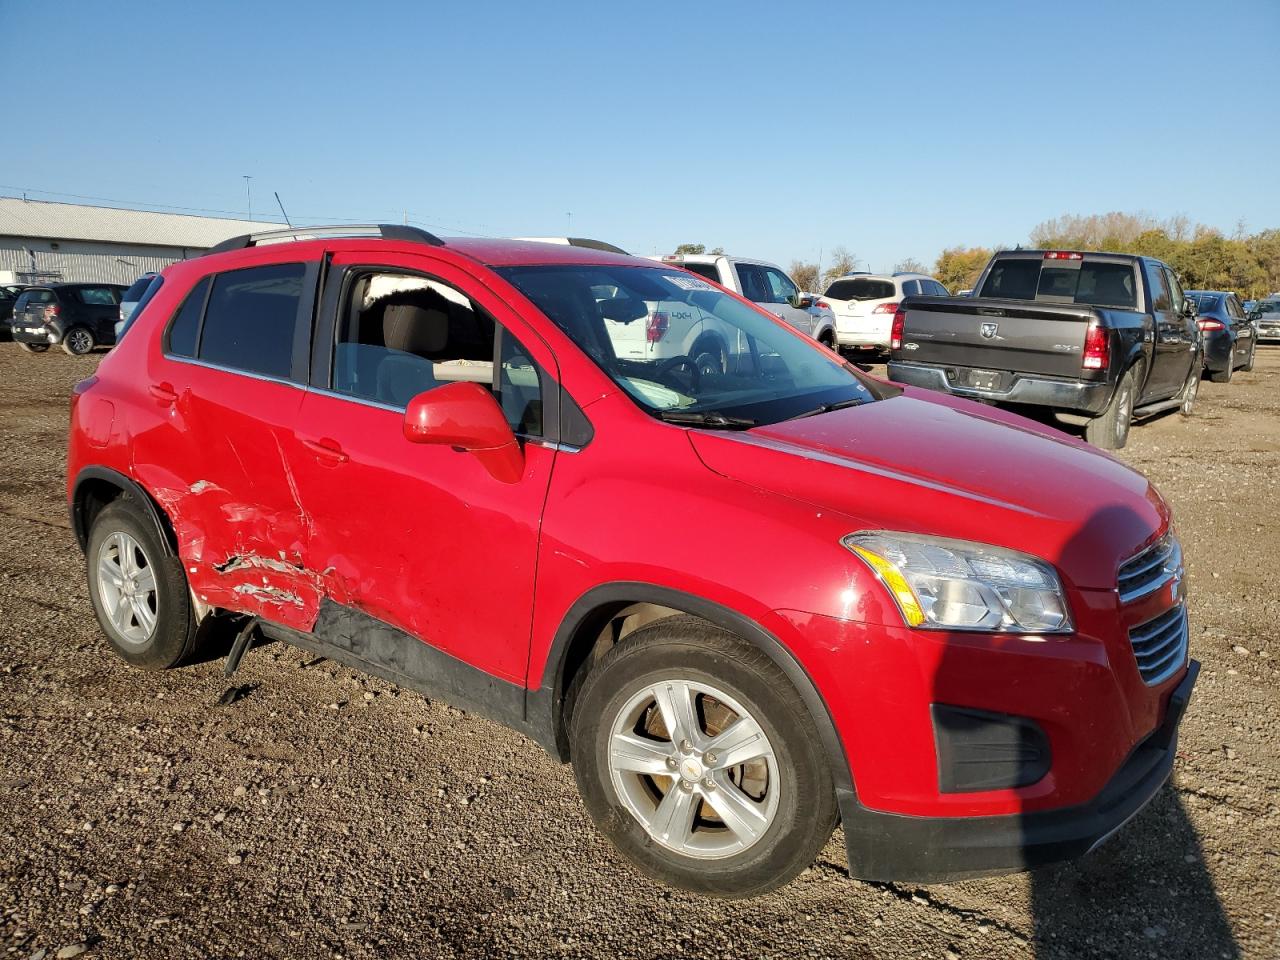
387, 231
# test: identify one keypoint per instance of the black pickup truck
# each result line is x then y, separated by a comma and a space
1103, 336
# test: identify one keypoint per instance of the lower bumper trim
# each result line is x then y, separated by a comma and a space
1087, 397
890, 847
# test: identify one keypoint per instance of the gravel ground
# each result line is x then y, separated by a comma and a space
325, 814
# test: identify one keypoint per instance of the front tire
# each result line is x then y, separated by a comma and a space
78, 341
34, 347
1110, 429
1253, 351
696, 757
139, 592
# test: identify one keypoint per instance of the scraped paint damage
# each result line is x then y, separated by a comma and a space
231, 553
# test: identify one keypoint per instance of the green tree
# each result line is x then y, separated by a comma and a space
958, 268
690, 248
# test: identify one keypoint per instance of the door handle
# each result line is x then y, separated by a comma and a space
163, 392
325, 448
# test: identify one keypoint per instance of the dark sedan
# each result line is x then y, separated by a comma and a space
1229, 341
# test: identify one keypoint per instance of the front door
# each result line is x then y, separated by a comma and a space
781, 292
423, 537
1168, 368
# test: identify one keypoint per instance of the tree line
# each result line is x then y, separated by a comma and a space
1205, 258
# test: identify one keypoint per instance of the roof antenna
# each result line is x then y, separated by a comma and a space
281, 205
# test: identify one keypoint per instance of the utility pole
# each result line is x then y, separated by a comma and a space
248, 197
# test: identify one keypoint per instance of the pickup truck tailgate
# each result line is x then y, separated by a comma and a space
995, 334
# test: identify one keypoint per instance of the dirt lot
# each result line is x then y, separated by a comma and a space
329, 815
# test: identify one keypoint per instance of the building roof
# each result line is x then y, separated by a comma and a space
71, 221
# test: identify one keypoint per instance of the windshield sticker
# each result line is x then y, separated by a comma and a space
687, 283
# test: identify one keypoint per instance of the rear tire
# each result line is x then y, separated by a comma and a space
677, 810
34, 347
139, 592
78, 341
1110, 429
1191, 389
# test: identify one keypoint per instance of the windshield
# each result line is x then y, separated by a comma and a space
680, 347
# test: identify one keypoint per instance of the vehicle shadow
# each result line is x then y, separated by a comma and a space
1145, 891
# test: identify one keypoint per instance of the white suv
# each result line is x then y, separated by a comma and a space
864, 304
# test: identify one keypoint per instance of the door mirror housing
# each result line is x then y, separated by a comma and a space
1189, 307
465, 416
801, 301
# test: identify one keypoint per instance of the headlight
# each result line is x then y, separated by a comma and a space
958, 585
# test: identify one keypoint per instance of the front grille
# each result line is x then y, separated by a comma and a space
1158, 565
1160, 645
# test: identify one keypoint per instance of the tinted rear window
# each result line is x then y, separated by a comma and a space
249, 323
707, 270
860, 288
1062, 281
1207, 301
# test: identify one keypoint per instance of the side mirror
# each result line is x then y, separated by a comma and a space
464, 415
801, 301
1189, 307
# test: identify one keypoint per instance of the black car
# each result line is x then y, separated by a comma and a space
79, 316
7, 299
1229, 335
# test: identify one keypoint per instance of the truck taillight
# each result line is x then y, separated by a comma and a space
1097, 348
1209, 324
657, 327
1063, 255
895, 332
886, 308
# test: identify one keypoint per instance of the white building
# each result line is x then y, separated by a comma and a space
51, 242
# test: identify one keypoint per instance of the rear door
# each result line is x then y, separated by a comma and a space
99, 309
1168, 364
226, 380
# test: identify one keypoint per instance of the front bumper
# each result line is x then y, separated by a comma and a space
892, 847
1069, 395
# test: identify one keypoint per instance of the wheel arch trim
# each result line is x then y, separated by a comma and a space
126, 485
545, 703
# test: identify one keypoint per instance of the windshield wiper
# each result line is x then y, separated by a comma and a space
828, 407
705, 418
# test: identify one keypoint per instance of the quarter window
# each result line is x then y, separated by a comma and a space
186, 322
97, 296
401, 335
251, 317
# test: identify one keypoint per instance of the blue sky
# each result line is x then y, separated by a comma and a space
775, 130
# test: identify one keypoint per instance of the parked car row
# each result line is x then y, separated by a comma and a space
1097, 338
1008, 602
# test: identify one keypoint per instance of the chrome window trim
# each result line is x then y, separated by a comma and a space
252, 375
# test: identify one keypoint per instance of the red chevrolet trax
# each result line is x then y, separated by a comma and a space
748, 590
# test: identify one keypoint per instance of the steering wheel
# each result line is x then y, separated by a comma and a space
682, 360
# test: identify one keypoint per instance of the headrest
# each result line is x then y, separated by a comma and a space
415, 329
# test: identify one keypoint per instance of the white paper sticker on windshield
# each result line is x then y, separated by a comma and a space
687, 282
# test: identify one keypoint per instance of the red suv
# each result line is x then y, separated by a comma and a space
746, 598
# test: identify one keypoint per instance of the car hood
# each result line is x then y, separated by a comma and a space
928, 463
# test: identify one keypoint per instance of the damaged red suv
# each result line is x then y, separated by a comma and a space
746, 589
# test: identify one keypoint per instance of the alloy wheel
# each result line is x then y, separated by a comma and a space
80, 341
1190, 390
127, 588
693, 766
